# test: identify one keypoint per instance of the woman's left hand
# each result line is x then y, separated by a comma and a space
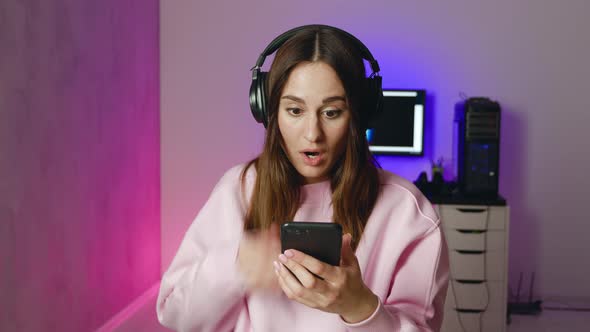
341, 291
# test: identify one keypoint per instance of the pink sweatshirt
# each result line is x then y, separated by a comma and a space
402, 255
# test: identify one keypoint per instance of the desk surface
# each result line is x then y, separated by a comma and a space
459, 199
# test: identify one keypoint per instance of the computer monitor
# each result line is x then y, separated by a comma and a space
399, 129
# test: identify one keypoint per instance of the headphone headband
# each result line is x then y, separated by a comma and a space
282, 38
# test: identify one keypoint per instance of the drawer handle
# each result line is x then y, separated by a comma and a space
471, 231
469, 311
470, 252
467, 281
466, 210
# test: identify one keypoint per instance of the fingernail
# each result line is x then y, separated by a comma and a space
283, 258
277, 267
289, 253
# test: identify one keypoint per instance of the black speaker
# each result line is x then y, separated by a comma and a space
478, 150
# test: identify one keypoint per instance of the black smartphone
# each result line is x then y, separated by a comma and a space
321, 240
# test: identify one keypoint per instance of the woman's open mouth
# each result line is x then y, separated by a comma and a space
312, 158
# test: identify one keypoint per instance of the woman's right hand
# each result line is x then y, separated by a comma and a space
257, 252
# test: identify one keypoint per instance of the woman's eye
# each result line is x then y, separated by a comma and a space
331, 114
294, 111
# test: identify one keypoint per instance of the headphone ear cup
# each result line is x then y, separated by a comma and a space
375, 99
258, 98
263, 101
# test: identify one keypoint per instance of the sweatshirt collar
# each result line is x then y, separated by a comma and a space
315, 193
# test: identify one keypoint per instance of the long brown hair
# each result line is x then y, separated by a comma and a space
354, 177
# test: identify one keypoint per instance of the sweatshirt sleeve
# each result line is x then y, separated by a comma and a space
409, 307
202, 289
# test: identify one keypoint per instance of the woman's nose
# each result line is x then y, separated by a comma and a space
313, 129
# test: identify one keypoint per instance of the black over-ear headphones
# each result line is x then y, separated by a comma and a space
258, 103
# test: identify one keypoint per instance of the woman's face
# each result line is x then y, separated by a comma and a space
313, 119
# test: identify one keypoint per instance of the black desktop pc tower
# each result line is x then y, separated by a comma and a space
478, 146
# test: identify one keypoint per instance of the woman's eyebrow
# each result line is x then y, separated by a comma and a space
334, 98
293, 98
325, 101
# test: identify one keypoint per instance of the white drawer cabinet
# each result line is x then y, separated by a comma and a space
477, 238
474, 217
476, 296
478, 266
474, 322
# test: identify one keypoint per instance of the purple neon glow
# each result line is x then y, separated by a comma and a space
79, 161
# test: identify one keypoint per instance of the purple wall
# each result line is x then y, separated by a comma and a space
531, 56
79, 161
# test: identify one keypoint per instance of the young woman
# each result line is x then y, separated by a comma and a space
229, 273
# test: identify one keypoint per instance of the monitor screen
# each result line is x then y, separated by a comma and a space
399, 129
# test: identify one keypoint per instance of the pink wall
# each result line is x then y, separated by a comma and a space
532, 56
79, 161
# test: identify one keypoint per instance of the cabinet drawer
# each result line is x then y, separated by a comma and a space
470, 266
490, 321
478, 296
475, 240
473, 217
